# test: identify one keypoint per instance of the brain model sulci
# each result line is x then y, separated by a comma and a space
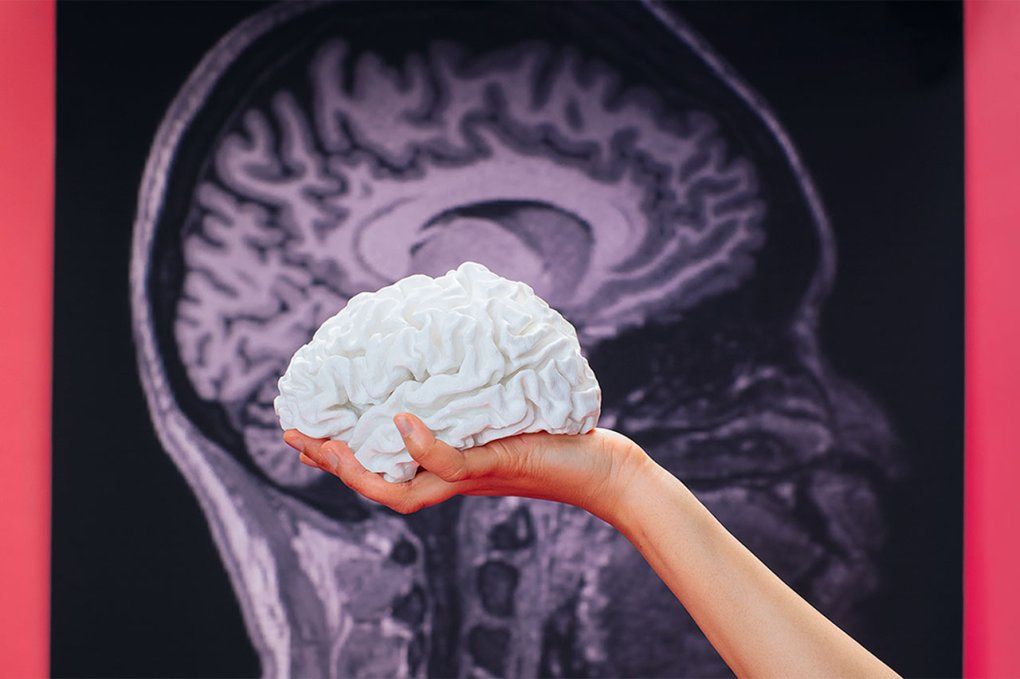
477, 357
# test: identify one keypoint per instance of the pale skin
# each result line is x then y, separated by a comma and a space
759, 625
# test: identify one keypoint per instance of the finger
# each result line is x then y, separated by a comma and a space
427, 489
424, 490
441, 459
302, 442
339, 459
294, 439
306, 445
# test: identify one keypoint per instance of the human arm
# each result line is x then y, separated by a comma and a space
758, 624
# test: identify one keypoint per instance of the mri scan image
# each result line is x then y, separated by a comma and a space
603, 154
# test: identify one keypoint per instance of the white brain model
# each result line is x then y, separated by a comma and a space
477, 357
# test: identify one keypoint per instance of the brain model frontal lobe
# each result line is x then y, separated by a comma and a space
541, 163
476, 356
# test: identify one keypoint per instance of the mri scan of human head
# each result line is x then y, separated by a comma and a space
604, 155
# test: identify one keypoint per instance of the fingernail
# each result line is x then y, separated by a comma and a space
295, 442
332, 459
404, 425
307, 460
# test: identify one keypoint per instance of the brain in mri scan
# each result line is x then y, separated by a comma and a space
637, 185
533, 161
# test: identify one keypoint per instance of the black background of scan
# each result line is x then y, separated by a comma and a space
871, 94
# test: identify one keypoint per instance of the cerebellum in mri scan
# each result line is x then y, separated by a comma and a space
605, 156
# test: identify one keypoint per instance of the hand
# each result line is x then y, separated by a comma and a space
590, 470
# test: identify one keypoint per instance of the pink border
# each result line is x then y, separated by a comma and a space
992, 495
992, 552
27, 74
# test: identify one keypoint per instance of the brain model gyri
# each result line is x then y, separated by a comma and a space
477, 357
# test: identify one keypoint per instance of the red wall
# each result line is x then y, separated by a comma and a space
992, 504
27, 70
992, 489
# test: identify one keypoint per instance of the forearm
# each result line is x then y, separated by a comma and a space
758, 625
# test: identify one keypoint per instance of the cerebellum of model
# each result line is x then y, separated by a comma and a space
477, 357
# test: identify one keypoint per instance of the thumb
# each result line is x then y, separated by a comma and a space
440, 458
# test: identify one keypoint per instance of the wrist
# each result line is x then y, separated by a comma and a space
647, 495
631, 470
